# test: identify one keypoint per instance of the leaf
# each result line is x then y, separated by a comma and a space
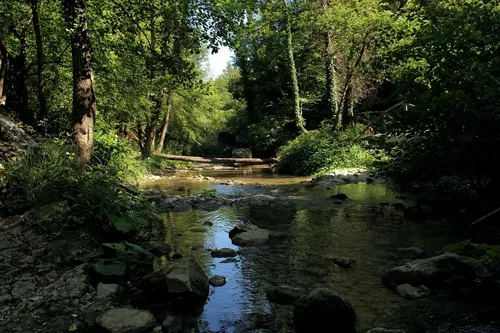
110, 267
137, 249
72, 328
86, 257
123, 224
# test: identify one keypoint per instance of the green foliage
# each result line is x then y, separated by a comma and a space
94, 198
487, 254
119, 155
322, 150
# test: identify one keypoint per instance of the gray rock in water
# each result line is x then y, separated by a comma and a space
430, 272
107, 290
284, 294
251, 238
5, 298
410, 292
217, 281
122, 320
339, 196
383, 330
413, 252
224, 253
323, 308
344, 262
185, 276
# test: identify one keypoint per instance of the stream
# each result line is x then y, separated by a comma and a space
314, 231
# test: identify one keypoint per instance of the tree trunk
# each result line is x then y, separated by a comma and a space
156, 101
83, 80
140, 136
17, 99
347, 108
164, 129
3, 68
331, 94
223, 160
300, 122
42, 100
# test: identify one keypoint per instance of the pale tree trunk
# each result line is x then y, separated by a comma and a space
156, 100
84, 106
42, 100
3, 68
299, 120
331, 94
164, 129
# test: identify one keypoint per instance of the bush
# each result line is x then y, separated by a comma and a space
323, 150
97, 200
119, 156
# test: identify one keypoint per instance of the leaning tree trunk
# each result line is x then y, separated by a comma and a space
4, 55
299, 120
42, 100
83, 80
164, 129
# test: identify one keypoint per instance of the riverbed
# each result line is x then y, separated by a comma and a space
363, 228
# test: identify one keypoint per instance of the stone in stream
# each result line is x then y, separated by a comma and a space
432, 272
249, 235
383, 330
284, 294
410, 292
185, 276
224, 253
124, 320
344, 262
323, 308
412, 252
339, 196
217, 281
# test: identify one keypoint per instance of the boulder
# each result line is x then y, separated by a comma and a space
124, 320
327, 180
224, 253
173, 324
284, 294
430, 272
251, 238
383, 330
217, 281
323, 308
242, 153
185, 276
249, 235
410, 292
339, 196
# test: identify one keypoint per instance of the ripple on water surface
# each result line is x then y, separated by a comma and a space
303, 259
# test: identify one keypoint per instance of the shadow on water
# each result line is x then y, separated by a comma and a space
303, 259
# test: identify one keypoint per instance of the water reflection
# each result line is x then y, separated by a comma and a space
301, 258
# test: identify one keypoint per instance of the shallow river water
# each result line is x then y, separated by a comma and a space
302, 258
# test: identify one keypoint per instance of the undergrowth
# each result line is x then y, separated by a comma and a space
323, 150
93, 198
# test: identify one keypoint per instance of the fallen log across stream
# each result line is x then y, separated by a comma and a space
221, 160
